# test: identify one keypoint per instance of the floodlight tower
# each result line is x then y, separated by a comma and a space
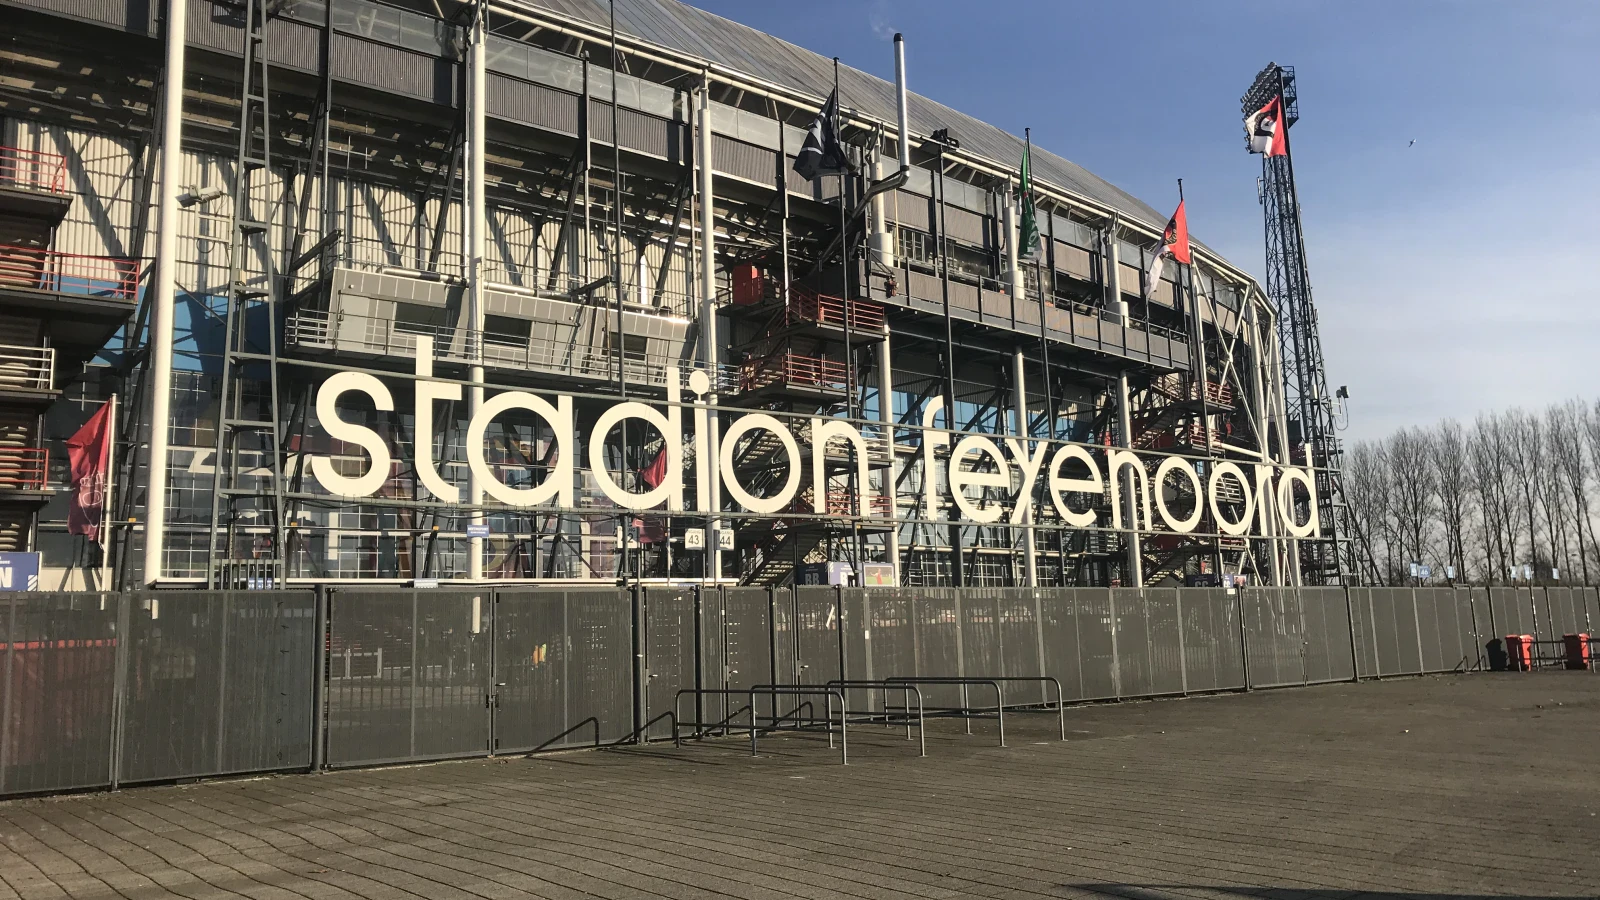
1308, 405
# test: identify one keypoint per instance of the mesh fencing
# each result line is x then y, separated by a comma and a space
102, 689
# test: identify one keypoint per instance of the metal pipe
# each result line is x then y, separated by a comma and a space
476, 226
903, 107
161, 308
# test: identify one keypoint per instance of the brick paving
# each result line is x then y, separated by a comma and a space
1477, 786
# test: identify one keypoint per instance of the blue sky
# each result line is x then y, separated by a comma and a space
1457, 275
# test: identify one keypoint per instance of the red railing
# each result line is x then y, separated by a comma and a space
33, 170
842, 503
806, 305
793, 370
68, 273
23, 469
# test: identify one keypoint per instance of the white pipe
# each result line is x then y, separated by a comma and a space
1130, 509
476, 227
163, 297
880, 242
1030, 540
1013, 252
709, 348
886, 416
903, 108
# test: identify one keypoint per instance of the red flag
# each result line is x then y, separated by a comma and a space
655, 471
89, 458
1265, 129
1175, 239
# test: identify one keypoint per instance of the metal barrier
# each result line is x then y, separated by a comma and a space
1061, 706
908, 690
802, 690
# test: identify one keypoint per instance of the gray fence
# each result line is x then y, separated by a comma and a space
101, 689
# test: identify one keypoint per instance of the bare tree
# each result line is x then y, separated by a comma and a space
1569, 463
1448, 460
1367, 489
1414, 494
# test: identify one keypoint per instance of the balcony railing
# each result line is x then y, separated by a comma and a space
27, 367
23, 468
33, 170
793, 370
380, 336
809, 306
68, 273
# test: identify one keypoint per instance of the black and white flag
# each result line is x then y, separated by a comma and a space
822, 154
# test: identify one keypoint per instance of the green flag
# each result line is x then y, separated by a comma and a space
1029, 230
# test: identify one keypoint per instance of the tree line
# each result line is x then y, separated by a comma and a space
1509, 493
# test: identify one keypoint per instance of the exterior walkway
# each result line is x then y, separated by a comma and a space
1481, 785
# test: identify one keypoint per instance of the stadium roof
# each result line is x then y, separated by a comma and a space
678, 26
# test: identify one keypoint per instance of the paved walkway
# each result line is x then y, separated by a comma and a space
1484, 785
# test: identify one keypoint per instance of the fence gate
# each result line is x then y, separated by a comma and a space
563, 663
669, 654
410, 675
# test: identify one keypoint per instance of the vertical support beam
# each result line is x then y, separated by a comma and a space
710, 349
163, 291
1013, 254
1020, 428
1130, 509
476, 227
886, 416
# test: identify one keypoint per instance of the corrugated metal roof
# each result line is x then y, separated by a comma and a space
678, 26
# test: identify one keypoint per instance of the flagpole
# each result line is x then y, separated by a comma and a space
105, 500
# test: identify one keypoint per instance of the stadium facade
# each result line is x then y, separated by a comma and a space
597, 324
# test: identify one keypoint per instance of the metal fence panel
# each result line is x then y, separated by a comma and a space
1386, 634
410, 674
1564, 614
1166, 659
1132, 623
1058, 632
1327, 617
56, 690
218, 682
980, 634
670, 654
1406, 630
1447, 629
1428, 629
937, 612
1274, 636
748, 639
1512, 610
1362, 632
1097, 642
1475, 630
891, 633
855, 611
1021, 652
817, 634
1591, 608
1212, 655
564, 667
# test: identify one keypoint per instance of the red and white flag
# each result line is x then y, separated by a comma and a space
1266, 130
89, 459
1174, 243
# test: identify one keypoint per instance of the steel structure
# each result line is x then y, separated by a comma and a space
466, 198
1312, 433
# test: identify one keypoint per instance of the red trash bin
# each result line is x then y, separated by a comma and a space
1577, 651
1519, 652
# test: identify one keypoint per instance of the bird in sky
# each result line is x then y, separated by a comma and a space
1413, 143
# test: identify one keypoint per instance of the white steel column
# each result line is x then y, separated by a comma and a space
476, 226
1130, 509
162, 290
1020, 402
886, 416
1013, 252
880, 242
710, 349
1259, 351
